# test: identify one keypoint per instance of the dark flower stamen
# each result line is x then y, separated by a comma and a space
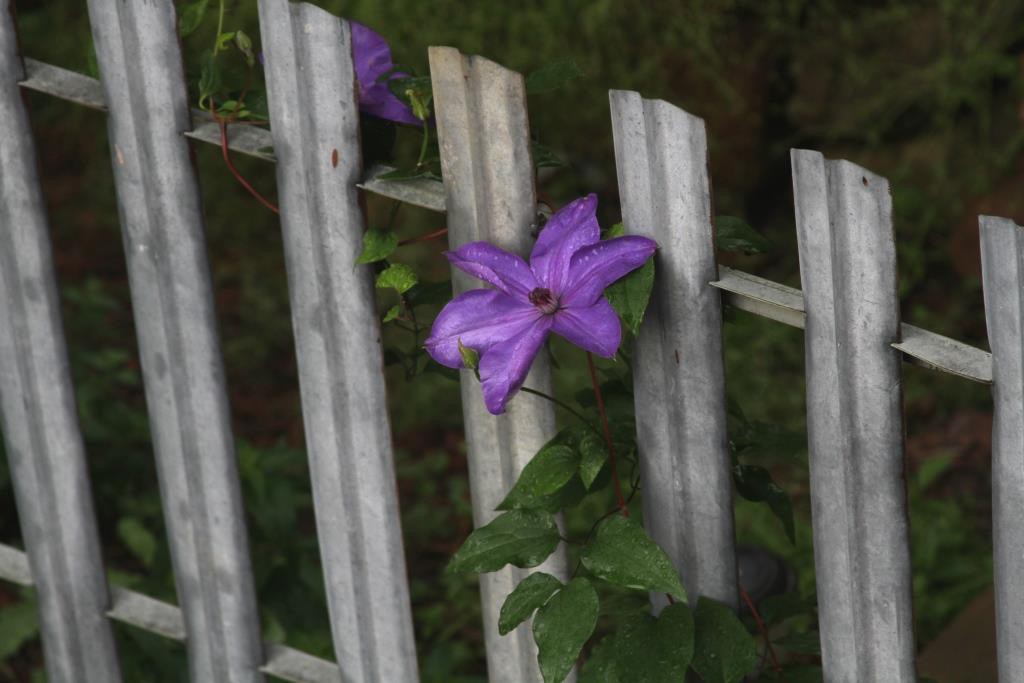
541, 298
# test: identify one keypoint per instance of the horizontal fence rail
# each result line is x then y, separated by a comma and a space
662, 159
849, 310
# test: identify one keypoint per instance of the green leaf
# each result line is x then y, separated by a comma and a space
531, 593
552, 76
724, 652
734, 234
546, 473
543, 157
425, 293
801, 643
623, 553
562, 626
617, 230
630, 295
523, 538
20, 625
600, 665
593, 454
244, 45
392, 313
470, 358
377, 246
398, 277
777, 608
224, 38
138, 538
656, 650
755, 484
191, 17
210, 77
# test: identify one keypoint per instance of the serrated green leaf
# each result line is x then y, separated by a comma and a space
630, 295
192, 16
734, 234
724, 652
392, 313
398, 277
531, 593
547, 472
600, 665
138, 538
622, 553
593, 455
552, 76
523, 538
656, 650
562, 626
20, 625
377, 246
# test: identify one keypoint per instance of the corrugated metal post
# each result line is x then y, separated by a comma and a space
662, 160
315, 120
37, 409
161, 219
484, 137
1002, 265
854, 421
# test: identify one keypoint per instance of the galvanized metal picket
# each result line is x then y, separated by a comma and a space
854, 420
37, 411
848, 308
490, 195
662, 159
162, 226
308, 58
1002, 264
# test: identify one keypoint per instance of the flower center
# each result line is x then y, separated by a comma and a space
542, 298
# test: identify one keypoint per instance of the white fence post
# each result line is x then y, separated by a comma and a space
1002, 265
308, 59
483, 132
37, 409
161, 220
854, 420
662, 160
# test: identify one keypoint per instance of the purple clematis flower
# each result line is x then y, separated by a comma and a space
372, 57
561, 290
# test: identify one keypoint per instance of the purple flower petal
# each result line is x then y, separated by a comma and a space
495, 266
596, 266
595, 328
372, 57
479, 318
573, 226
503, 367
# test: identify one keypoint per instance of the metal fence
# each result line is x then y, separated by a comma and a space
849, 309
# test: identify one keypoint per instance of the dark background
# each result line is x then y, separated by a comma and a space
927, 94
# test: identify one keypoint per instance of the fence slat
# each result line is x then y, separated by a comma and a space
140, 61
1002, 266
308, 60
854, 421
37, 409
661, 158
484, 137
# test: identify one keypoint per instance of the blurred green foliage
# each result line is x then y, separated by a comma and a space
927, 94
